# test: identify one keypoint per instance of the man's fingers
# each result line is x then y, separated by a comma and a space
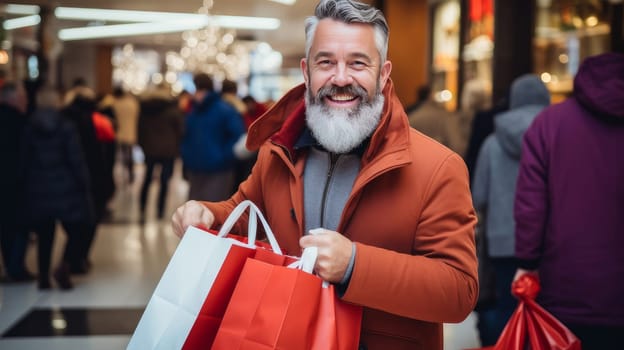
314, 238
190, 213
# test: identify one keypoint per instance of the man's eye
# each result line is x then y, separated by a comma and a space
324, 63
358, 64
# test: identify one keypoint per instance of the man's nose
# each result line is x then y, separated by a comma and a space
341, 76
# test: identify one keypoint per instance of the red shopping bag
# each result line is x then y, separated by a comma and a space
189, 301
531, 326
277, 307
209, 318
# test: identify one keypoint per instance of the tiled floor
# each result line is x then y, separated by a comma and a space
105, 305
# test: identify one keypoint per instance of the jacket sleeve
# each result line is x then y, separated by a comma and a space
531, 201
437, 282
481, 178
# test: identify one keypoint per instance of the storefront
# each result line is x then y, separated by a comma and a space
445, 31
566, 32
462, 43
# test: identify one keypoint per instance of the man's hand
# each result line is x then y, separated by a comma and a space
334, 253
191, 213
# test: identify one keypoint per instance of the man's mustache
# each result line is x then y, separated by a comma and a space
354, 90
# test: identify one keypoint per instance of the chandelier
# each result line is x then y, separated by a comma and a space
212, 50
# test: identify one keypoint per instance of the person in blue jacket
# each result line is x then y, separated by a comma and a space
211, 129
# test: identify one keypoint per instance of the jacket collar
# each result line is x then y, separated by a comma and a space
284, 123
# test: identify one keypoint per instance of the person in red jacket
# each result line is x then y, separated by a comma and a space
392, 207
254, 110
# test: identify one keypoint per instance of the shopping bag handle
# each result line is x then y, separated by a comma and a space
254, 215
307, 261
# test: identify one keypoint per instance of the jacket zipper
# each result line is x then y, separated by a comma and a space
333, 159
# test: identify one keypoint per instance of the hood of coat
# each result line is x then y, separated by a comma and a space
527, 97
284, 122
599, 86
45, 120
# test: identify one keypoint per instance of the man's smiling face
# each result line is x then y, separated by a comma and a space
343, 69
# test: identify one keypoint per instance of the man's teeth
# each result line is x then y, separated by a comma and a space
343, 97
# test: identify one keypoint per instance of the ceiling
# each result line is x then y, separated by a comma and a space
288, 39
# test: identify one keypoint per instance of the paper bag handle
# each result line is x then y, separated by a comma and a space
254, 215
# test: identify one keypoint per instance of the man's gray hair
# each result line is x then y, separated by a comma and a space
349, 11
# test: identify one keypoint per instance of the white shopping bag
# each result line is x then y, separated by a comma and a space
186, 284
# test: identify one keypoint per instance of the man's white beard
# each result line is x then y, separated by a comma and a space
342, 130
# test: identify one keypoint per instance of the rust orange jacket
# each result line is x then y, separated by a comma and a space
410, 214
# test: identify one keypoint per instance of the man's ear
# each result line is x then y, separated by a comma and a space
304, 70
384, 74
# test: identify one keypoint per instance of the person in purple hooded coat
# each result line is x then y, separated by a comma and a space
569, 205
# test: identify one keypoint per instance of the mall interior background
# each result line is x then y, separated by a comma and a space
446, 43
453, 45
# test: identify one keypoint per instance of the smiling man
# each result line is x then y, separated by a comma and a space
390, 208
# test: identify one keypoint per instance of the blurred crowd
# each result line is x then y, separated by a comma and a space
545, 179
546, 185
60, 148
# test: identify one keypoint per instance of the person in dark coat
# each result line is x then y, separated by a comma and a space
493, 189
569, 204
57, 188
482, 126
13, 236
79, 107
160, 130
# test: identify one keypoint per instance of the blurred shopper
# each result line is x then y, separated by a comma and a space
433, 120
493, 190
246, 158
482, 126
106, 125
242, 167
185, 101
570, 202
13, 236
79, 108
229, 94
159, 133
57, 187
126, 109
253, 111
422, 95
476, 97
211, 130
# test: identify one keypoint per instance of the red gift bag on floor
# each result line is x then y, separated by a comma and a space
277, 307
531, 326
188, 303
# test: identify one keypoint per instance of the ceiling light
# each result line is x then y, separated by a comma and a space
240, 22
285, 2
118, 30
88, 14
21, 22
14, 9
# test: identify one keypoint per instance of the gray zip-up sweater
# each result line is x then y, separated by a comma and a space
496, 171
